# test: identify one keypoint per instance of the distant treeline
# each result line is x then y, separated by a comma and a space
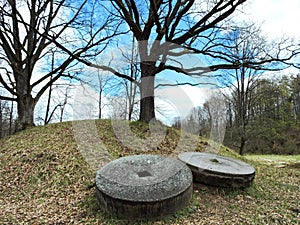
267, 121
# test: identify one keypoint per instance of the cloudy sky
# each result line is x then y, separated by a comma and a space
279, 17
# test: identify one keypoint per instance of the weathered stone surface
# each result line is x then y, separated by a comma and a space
144, 186
218, 170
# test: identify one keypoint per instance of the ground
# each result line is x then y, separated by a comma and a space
44, 179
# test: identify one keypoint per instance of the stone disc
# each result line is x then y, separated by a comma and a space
144, 186
218, 170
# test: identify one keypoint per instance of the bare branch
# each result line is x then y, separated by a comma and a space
187, 83
7, 98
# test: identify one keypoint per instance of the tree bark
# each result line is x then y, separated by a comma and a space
26, 105
147, 106
47, 118
243, 141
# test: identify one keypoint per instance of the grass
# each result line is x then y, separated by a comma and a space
275, 158
45, 179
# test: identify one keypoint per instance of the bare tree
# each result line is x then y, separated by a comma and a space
102, 85
27, 32
56, 107
200, 120
126, 90
6, 118
47, 118
165, 30
131, 94
295, 87
63, 104
117, 107
248, 45
131, 88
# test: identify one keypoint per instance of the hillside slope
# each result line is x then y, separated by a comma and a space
44, 179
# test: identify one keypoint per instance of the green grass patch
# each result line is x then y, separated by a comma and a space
275, 158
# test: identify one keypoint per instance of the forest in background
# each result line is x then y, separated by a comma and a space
263, 120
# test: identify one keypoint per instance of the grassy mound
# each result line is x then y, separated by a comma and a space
44, 179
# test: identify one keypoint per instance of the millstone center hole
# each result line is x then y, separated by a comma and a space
144, 173
215, 161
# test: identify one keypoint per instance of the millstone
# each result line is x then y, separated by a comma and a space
218, 170
144, 186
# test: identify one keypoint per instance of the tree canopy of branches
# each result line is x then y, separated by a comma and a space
28, 31
166, 30
248, 45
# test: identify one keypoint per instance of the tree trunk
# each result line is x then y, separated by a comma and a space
100, 103
26, 105
47, 118
242, 145
147, 107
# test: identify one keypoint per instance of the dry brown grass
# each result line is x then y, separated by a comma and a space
44, 179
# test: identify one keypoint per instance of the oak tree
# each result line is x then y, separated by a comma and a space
28, 31
168, 30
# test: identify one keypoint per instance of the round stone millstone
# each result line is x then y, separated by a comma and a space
144, 186
218, 170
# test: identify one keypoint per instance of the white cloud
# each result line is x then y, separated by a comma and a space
279, 17
172, 102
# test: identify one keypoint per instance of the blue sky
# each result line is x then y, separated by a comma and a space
278, 18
